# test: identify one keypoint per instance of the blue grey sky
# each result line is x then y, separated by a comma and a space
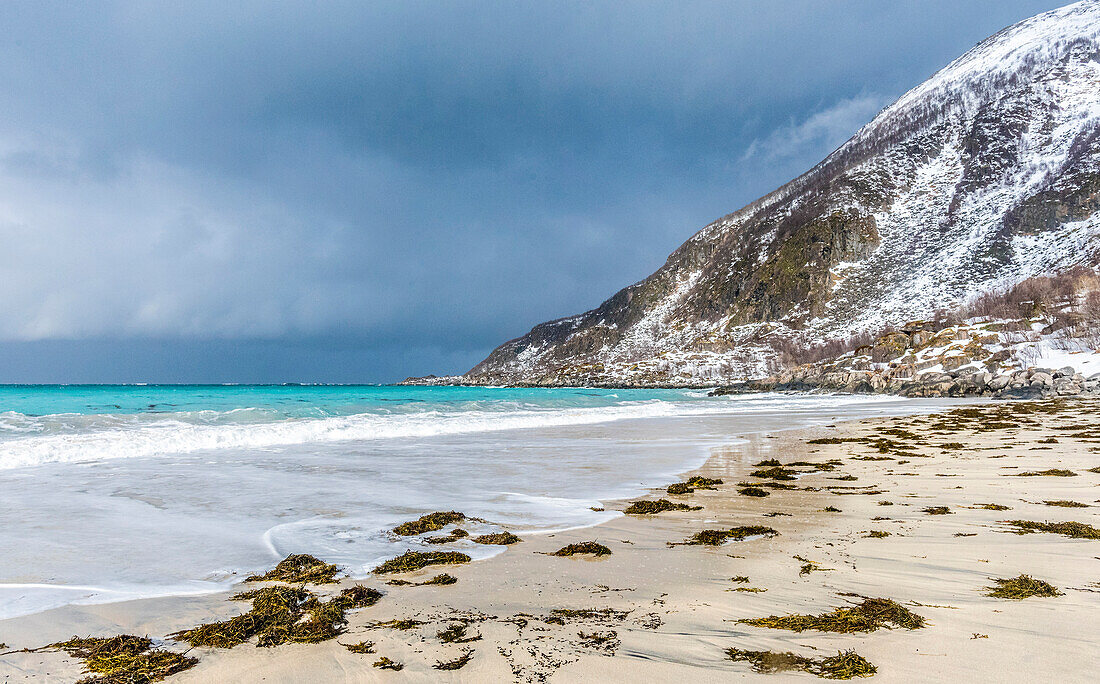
356, 192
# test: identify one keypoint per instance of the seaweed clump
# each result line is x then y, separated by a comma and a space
441, 580
456, 534
277, 616
1066, 504
992, 507
868, 616
658, 506
588, 547
1072, 529
415, 560
299, 568
692, 484
876, 534
1021, 587
429, 523
775, 473
362, 647
1051, 472
808, 566
124, 659
456, 664
357, 597
719, 537
400, 625
499, 539
603, 641
456, 634
844, 665
385, 663
753, 491
936, 510
834, 440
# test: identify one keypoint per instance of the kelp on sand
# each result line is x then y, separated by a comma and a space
844, 665
415, 560
299, 568
282, 615
124, 659
719, 537
869, 615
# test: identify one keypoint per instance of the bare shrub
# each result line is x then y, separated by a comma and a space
1068, 303
795, 353
1057, 297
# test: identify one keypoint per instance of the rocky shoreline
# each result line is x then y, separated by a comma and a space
1029, 383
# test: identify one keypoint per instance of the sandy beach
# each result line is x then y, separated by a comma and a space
655, 610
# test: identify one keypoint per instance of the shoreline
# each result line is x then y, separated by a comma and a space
609, 458
684, 588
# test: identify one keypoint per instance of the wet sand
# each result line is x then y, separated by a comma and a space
681, 607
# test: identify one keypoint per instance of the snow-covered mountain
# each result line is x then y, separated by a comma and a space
984, 175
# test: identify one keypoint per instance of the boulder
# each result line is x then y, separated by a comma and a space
904, 371
999, 382
1064, 372
1068, 388
919, 338
1021, 393
889, 346
955, 361
933, 377
1042, 378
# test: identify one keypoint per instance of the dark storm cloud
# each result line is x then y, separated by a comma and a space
358, 191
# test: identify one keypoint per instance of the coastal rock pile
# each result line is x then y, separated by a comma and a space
966, 360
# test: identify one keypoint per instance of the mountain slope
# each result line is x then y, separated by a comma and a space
984, 175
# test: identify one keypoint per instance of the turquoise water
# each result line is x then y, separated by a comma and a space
305, 401
75, 423
118, 492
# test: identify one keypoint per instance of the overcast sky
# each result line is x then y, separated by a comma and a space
356, 192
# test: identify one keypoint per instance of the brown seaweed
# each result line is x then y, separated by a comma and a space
498, 539
844, 665
299, 568
658, 506
429, 523
588, 547
124, 659
415, 560
868, 616
1021, 587
719, 537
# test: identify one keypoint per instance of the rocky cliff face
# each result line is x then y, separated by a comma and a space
985, 175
